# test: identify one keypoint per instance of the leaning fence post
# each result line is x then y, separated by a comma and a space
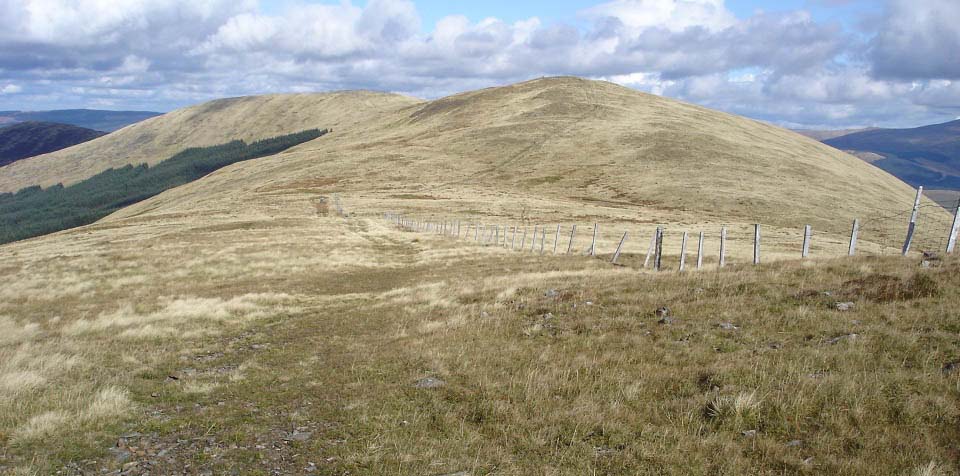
513, 238
756, 244
556, 239
852, 250
807, 233
658, 249
650, 250
533, 242
593, 245
616, 254
723, 245
700, 251
912, 227
543, 237
573, 231
952, 240
496, 239
683, 251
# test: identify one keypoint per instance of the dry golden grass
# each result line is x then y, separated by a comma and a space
226, 314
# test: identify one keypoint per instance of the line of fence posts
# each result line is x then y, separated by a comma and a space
492, 234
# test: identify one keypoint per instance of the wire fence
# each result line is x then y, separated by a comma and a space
879, 232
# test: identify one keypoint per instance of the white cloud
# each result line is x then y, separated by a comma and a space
672, 15
785, 66
11, 89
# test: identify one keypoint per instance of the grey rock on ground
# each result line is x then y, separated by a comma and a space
551, 293
429, 382
728, 326
950, 367
794, 443
844, 306
842, 338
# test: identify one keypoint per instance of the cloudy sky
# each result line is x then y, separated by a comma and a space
798, 63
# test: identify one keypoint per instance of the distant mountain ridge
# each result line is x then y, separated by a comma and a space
928, 155
28, 139
99, 120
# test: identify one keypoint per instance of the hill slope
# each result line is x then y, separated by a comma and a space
216, 122
28, 139
928, 155
99, 120
564, 147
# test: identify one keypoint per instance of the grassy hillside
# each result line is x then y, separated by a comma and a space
216, 122
34, 211
294, 344
228, 325
98, 120
28, 139
928, 155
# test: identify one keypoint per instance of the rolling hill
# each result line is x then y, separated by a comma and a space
232, 325
99, 120
928, 155
28, 139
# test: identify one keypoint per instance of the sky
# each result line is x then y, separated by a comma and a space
825, 64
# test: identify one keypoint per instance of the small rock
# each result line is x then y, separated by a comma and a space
548, 315
300, 436
827, 293
924, 264
839, 339
662, 311
728, 326
794, 443
429, 382
588, 303
844, 306
551, 293
484, 314
749, 433
950, 367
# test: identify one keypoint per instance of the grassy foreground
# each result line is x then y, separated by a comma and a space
298, 360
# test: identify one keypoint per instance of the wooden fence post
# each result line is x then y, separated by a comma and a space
556, 239
513, 238
912, 227
952, 240
700, 251
651, 249
476, 233
723, 245
533, 242
683, 251
593, 246
524, 239
756, 244
543, 237
616, 254
658, 251
573, 231
807, 233
852, 250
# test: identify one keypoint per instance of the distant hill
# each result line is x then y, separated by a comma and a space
107, 121
928, 155
28, 139
822, 135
